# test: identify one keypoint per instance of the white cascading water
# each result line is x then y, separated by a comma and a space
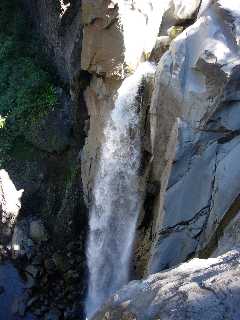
116, 198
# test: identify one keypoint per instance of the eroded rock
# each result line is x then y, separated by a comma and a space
199, 289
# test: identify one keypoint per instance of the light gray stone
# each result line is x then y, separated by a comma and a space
196, 81
191, 79
185, 9
21, 243
186, 205
226, 189
197, 290
37, 231
227, 117
172, 249
192, 193
232, 9
117, 33
10, 205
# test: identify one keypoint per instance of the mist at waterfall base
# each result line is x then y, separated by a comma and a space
116, 196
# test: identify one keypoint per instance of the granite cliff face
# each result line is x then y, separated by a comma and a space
188, 140
199, 75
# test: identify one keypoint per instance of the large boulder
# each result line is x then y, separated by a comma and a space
37, 231
185, 9
193, 78
197, 290
9, 206
117, 33
196, 81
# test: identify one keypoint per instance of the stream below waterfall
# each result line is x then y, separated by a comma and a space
116, 196
11, 290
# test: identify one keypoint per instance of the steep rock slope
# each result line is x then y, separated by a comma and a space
197, 81
199, 289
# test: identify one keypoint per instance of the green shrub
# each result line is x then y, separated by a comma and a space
2, 122
26, 90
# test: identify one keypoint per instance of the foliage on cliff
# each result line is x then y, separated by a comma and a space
26, 89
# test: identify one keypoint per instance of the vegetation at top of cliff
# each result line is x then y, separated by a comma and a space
26, 89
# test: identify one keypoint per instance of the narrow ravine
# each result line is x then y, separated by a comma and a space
116, 198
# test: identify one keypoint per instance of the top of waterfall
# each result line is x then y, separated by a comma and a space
144, 68
141, 22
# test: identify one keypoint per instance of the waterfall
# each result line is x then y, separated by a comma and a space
116, 197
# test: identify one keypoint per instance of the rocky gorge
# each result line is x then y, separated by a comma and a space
119, 141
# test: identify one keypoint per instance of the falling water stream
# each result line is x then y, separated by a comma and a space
116, 198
